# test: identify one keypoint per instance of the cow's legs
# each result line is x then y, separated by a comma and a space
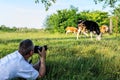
78, 33
98, 37
85, 34
91, 34
67, 32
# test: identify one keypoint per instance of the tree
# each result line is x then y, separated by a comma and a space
63, 18
100, 17
48, 3
116, 13
110, 3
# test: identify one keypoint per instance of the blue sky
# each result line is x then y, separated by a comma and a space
25, 13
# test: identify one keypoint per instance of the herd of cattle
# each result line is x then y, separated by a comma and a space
85, 27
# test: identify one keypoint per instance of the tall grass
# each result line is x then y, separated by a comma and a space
71, 59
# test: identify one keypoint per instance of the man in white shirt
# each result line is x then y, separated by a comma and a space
16, 64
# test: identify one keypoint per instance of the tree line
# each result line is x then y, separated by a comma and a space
57, 22
5, 28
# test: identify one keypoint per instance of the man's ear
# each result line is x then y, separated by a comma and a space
31, 52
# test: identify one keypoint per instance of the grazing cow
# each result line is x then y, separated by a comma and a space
104, 29
88, 26
71, 30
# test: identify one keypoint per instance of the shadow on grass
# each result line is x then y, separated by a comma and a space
78, 69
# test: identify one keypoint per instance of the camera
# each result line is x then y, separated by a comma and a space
36, 48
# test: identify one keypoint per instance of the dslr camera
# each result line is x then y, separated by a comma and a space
36, 48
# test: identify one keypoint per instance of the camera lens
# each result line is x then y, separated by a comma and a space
36, 48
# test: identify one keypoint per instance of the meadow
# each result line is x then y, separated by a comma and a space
68, 58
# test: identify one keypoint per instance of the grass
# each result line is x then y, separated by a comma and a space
71, 59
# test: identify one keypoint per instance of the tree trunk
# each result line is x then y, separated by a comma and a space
110, 27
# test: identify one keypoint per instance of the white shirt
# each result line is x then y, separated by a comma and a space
14, 65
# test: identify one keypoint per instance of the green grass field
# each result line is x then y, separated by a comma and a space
68, 58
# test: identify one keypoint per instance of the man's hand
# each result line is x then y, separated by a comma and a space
42, 53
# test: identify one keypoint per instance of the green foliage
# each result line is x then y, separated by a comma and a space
98, 16
110, 3
63, 18
4, 28
48, 3
116, 18
71, 59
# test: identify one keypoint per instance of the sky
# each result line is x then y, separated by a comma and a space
26, 13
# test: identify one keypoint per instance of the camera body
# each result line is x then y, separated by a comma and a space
36, 48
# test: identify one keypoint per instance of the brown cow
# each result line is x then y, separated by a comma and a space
71, 30
104, 29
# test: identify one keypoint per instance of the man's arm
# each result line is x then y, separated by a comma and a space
40, 66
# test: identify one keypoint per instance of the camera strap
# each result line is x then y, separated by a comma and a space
30, 61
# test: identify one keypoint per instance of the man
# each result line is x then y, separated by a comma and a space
16, 64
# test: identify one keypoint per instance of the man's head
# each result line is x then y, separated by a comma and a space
26, 47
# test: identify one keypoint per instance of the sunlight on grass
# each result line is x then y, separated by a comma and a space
68, 58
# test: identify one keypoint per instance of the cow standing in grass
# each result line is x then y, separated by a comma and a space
71, 30
88, 26
104, 29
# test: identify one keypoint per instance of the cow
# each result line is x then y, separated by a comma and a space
85, 26
104, 29
71, 30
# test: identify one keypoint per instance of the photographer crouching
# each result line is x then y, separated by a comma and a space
16, 65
